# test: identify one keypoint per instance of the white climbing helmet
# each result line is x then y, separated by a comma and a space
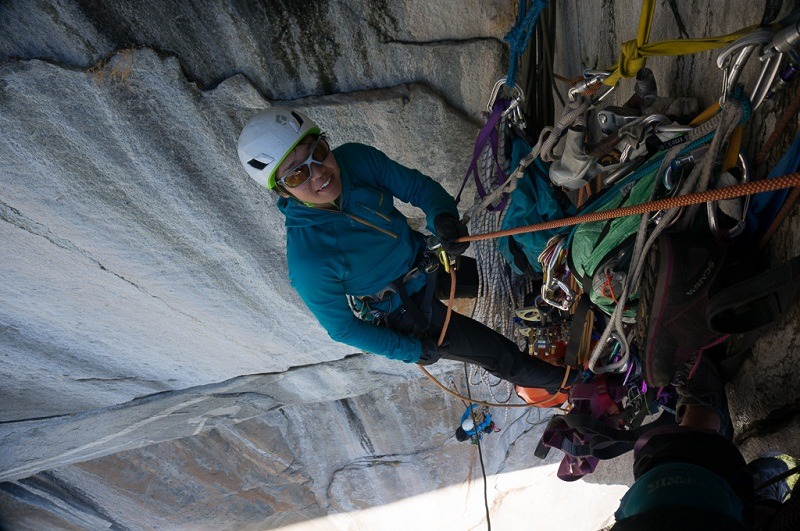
268, 137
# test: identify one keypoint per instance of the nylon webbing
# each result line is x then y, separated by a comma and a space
634, 53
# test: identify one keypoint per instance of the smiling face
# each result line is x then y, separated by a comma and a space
325, 183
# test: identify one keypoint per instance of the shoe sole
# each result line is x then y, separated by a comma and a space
656, 309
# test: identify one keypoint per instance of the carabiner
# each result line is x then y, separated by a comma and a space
677, 163
445, 259
784, 42
435, 246
713, 222
518, 95
619, 355
569, 295
591, 79
769, 72
732, 69
554, 255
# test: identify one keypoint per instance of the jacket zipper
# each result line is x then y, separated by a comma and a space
364, 221
371, 225
382, 216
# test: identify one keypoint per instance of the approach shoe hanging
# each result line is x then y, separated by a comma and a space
672, 317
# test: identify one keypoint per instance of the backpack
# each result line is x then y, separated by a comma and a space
533, 200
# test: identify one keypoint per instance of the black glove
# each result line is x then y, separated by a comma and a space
448, 229
431, 352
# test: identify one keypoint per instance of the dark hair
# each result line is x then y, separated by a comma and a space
461, 435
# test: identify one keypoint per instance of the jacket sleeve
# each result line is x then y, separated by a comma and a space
408, 185
325, 298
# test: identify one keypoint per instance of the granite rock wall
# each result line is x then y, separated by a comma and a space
149, 376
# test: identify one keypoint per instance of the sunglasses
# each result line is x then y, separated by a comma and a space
302, 172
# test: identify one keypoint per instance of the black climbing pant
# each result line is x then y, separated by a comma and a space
471, 341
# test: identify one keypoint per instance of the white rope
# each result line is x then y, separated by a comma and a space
501, 291
496, 297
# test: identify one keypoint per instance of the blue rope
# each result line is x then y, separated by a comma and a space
747, 108
520, 35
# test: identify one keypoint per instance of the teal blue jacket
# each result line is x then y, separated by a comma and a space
361, 246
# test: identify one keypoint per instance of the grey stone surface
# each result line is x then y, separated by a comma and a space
765, 394
288, 48
298, 454
175, 414
141, 267
140, 256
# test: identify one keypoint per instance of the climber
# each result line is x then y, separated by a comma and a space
356, 263
467, 429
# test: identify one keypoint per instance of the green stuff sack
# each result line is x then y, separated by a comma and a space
600, 247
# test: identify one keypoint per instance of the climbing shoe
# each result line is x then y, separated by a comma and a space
671, 320
698, 383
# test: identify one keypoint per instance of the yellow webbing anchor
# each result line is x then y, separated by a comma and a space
634, 53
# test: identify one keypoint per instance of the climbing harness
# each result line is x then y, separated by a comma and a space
361, 306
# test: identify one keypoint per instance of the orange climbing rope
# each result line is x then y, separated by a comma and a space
449, 306
791, 180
